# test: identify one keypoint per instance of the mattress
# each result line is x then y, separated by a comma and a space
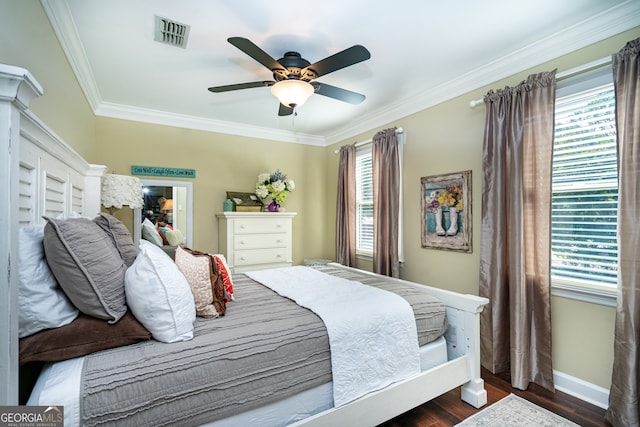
60, 382
212, 353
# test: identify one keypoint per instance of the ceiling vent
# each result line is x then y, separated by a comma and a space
171, 32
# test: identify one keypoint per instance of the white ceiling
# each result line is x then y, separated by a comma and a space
422, 52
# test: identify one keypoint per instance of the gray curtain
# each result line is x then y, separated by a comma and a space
346, 207
623, 399
386, 202
516, 227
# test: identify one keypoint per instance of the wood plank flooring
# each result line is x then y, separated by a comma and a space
448, 410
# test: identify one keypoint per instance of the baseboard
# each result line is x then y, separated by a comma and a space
581, 389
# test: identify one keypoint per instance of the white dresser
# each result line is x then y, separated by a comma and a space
255, 240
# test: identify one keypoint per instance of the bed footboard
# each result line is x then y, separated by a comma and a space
462, 369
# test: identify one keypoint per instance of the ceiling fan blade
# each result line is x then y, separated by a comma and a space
248, 47
284, 110
227, 88
338, 93
337, 61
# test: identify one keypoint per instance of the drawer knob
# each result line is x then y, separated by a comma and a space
242, 242
242, 227
242, 258
278, 256
279, 241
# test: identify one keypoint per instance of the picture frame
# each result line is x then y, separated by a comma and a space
446, 211
244, 202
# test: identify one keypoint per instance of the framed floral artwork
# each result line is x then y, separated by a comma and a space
446, 211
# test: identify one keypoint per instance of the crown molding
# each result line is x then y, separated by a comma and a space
65, 28
125, 112
618, 19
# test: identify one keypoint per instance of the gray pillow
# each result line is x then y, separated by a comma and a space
119, 235
87, 266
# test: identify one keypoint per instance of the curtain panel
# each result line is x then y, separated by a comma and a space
346, 207
516, 231
624, 407
386, 202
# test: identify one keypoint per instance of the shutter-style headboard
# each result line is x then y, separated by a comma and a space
39, 175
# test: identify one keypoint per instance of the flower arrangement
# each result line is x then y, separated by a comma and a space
275, 185
450, 196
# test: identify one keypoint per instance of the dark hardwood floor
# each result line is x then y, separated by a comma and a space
448, 409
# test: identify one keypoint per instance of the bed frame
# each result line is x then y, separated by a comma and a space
40, 175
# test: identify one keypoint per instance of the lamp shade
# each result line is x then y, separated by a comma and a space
292, 93
121, 190
167, 206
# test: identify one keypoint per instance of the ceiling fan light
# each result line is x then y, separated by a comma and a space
291, 92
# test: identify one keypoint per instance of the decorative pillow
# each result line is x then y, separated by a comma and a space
150, 233
223, 268
201, 272
163, 234
87, 266
41, 302
119, 235
175, 237
83, 336
159, 295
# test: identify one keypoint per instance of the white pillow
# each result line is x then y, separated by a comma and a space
159, 295
150, 233
175, 237
42, 304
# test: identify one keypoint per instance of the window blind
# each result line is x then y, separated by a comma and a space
364, 200
584, 247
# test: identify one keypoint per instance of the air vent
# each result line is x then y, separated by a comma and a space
171, 32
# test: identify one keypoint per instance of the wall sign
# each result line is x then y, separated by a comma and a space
160, 171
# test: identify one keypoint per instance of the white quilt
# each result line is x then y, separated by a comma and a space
372, 332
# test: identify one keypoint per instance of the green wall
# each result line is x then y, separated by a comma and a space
444, 138
448, 138
223, 163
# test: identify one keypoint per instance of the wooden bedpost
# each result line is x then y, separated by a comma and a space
17, 89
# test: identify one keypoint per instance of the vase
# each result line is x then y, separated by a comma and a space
273, 206
438, 216
453, 217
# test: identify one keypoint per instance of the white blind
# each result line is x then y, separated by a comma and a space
584, 247
364, 200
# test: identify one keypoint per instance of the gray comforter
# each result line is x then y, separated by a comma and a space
264, 349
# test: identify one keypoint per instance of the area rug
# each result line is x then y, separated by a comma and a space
514, 411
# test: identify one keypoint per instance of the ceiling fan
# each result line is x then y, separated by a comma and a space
293, 75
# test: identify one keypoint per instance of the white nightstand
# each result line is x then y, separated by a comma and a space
255, 240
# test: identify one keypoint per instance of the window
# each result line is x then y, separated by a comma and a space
584, 248
364, 201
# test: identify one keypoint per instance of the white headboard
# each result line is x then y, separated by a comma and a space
40, 175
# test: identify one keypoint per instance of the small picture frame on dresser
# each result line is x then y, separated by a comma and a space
244, 202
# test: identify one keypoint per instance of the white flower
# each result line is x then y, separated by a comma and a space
262, 191
263, 177
291, 185
274, 185
278, 186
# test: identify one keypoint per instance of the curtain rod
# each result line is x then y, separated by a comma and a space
369, 141
565, 74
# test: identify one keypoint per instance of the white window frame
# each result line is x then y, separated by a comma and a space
575, 289
365, 150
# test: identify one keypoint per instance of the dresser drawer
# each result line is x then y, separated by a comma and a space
261, 256
260, 241
267, 225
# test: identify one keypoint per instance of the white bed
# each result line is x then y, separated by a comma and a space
46, 177
63, 379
